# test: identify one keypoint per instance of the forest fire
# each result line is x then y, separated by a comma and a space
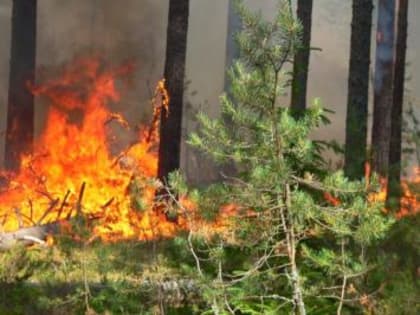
71, 170
409, 201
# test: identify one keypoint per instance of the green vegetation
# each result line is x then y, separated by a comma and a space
301, 252
304, 240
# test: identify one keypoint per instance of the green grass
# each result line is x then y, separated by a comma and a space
72, 278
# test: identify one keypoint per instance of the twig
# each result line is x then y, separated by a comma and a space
343, 292
63, 203
46, 194
50, 208
28, 218
4, 219
123, 154
108, 203
79, 200
31, 209
69, 214
320, 187
19, 217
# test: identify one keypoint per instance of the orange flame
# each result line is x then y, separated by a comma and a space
331, 199
409, 201
71, 170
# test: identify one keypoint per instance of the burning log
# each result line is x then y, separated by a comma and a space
29, 235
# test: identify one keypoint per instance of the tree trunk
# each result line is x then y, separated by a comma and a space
397, 108
176, 47
358, 89
20, 110
232, 50
383, 97
234, 26
301, 60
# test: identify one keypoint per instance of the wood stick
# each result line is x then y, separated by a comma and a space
31, 214
69, 214
45, 194
79, 201
108, 203
4, 219
63, 204
50, 208
19, 217
28, 236
29, 219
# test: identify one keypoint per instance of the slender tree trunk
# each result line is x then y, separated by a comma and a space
171, 123
301, 60
358, 89
234, 26
20, 107
383, 98
397, 108
232, 50
292, 243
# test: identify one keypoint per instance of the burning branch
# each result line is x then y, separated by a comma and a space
157, 109
79, 200
63, 204
48, 211
119, 119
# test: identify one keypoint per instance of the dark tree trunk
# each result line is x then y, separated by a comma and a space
301, 60
20, 110
232, 49
358, 89
397, 108
383, 98
176, 47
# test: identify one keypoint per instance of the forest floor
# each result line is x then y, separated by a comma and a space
127, 277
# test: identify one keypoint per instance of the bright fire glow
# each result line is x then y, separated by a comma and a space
409, 202
71, 170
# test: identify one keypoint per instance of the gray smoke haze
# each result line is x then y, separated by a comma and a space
137, 29
119, 30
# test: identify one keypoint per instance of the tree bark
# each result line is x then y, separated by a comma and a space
358, 89
383, 97
397, 108
171, 123
301, 60
20, 110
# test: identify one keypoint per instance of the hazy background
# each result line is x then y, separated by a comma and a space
137, 29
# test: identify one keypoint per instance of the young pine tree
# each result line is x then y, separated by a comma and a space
298, 239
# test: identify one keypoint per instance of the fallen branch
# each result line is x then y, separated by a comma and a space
28, 236
36, 234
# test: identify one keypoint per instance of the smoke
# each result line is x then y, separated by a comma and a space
136, 29
118, 30
5, 16
131, 29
